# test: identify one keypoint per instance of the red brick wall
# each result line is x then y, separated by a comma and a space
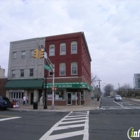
2, 86
59, 103
82, 57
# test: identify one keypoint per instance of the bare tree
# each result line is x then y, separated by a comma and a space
108, 88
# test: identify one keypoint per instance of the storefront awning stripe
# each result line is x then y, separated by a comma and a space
24, 84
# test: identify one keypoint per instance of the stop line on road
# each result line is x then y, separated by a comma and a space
78, 120
5, 118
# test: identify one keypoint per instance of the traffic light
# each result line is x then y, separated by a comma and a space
41, 53
36, 53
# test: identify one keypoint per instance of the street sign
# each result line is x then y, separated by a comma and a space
47, 67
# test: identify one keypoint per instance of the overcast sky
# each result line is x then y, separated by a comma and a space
111, 28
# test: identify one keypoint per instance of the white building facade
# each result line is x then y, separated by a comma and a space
25, 73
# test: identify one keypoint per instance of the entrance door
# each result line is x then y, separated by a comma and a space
69, 101
32, 98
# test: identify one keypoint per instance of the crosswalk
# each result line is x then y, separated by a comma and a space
72, 125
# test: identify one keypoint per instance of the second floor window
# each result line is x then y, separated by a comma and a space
52, 50
62, 48
22, 72
14, 55
62, 68
23, 54
13, 73
31, 72
74, 47
74, 69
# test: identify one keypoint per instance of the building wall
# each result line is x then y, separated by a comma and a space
28, 62
2, 73
2, 85
82, 57
137, 81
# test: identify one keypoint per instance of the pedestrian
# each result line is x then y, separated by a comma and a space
24, 100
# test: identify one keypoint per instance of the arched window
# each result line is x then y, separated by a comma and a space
62, 48
74, 47
74, 68
52, 50
62, 69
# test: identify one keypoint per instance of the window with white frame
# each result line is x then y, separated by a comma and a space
13, 73
23, 54
22, 72
14, 55
31, 72
62, 48
62, 69
32, 53
74, 47
74, 68
52, 50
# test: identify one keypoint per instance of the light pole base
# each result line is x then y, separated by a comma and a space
52, 107
45, 107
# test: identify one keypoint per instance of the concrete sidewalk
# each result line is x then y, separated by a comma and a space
92, 105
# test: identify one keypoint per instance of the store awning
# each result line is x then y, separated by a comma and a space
82, 85
24, 84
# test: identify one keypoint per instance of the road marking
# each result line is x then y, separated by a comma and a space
71, 121
118, 104
11, 118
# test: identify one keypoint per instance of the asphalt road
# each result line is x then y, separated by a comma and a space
110, 122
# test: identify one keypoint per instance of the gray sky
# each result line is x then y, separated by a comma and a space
111, 27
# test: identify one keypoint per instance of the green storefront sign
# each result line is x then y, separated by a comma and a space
70, 85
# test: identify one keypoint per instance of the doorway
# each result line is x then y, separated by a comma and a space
32, 98
69, 101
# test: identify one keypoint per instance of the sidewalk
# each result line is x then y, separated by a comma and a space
94, 104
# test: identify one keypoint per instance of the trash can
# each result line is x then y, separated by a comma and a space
35, 105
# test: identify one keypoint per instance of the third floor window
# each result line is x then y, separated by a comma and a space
74, 47
52, 50
62, 48
23, 54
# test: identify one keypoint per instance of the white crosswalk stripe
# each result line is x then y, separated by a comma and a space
74, 120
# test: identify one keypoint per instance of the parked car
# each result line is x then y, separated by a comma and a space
117, 98
4, 102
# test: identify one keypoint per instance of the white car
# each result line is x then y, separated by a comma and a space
117, 98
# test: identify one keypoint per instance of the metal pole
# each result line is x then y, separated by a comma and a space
52, 106
45, 99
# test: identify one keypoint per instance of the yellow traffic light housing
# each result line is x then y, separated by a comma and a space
36, 53
41, 53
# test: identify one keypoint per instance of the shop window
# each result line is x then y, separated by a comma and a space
59, 95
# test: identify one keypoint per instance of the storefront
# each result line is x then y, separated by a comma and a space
76, 93
31, 88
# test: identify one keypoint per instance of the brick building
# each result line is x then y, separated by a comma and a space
70, 55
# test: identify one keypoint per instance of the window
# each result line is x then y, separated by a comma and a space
14, 55
32, 53
74, 47
31, 72
59, 95
22, 72
62, 48
23, 54
13, 73
62, 69
52, 50
74, 68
